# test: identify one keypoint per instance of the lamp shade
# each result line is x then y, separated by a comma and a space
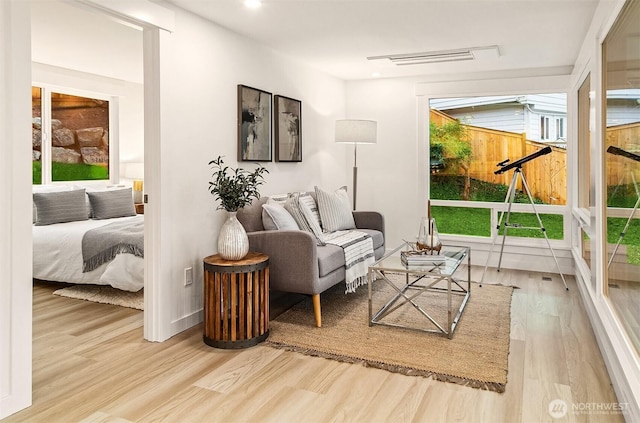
134, 170
356, 131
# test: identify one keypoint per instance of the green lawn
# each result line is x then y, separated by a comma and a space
477, 221
71, 172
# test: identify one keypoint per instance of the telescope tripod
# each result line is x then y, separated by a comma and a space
633, 212
509, 199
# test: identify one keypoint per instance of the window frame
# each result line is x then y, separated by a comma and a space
46, 141
497, 207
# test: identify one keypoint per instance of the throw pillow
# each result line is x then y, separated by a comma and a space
275, 217
278, 199
110, 204
335, 210
60, 207
293, 207
309, 210
49, 188
311, 205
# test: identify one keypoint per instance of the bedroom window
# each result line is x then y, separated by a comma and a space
70, 137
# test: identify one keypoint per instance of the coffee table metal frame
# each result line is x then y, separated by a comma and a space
422, 280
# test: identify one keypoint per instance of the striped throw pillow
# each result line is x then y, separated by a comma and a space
293, 206
60, 207
335, 210
113, 203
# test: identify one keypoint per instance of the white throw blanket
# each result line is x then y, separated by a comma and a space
358, 255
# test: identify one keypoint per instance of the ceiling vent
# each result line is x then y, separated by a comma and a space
472, 53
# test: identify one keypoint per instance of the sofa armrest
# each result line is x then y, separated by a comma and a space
369, 220
293, 259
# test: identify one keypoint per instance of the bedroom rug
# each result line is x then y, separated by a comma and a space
477, 356
104, 294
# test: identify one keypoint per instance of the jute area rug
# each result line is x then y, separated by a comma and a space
104, 294
477, 356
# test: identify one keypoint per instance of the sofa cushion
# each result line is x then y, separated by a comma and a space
335, 210
251, 215
330, 258
376, 237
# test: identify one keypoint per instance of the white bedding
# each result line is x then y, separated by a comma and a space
57, 256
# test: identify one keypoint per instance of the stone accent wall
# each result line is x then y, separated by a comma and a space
85, 145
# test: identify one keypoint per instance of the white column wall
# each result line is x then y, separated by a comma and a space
201, 65
15, 198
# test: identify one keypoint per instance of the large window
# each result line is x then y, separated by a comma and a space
70, 137
586, 180
470, 136
621, 57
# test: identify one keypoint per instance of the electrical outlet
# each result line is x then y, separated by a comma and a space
188, 276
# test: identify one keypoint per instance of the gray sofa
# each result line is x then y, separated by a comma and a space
296, 263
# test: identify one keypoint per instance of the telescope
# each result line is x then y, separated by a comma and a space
505, 165
620, 152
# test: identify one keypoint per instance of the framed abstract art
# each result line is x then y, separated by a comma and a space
254, 124
288, 129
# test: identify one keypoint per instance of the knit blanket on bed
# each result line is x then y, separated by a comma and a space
358, 255
101, 245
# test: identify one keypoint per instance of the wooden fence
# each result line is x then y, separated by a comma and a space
620, 169
546, 175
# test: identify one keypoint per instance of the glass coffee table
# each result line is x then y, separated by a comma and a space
425, 290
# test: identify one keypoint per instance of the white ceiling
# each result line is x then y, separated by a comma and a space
337, 36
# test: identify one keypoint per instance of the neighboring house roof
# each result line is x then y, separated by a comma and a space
555, 103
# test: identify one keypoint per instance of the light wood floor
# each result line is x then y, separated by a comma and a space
92, 365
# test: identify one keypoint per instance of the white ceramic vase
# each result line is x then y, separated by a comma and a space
233, 243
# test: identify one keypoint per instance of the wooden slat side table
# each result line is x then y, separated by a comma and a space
236, 301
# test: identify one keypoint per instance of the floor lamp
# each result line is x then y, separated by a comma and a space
356, 131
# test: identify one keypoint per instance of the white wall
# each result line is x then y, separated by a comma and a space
68, 36
388, 171
15, 199
201, 65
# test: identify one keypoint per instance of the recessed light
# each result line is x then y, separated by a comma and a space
253, 4
376, 74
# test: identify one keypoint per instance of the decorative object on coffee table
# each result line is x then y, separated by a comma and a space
236, 301
234, 189
428, 240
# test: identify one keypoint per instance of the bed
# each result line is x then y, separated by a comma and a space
67, 242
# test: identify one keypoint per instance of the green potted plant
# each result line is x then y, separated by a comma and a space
234, 189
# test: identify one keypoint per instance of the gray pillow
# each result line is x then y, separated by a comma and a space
113, 203
335, 210
60, 207
275, 217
